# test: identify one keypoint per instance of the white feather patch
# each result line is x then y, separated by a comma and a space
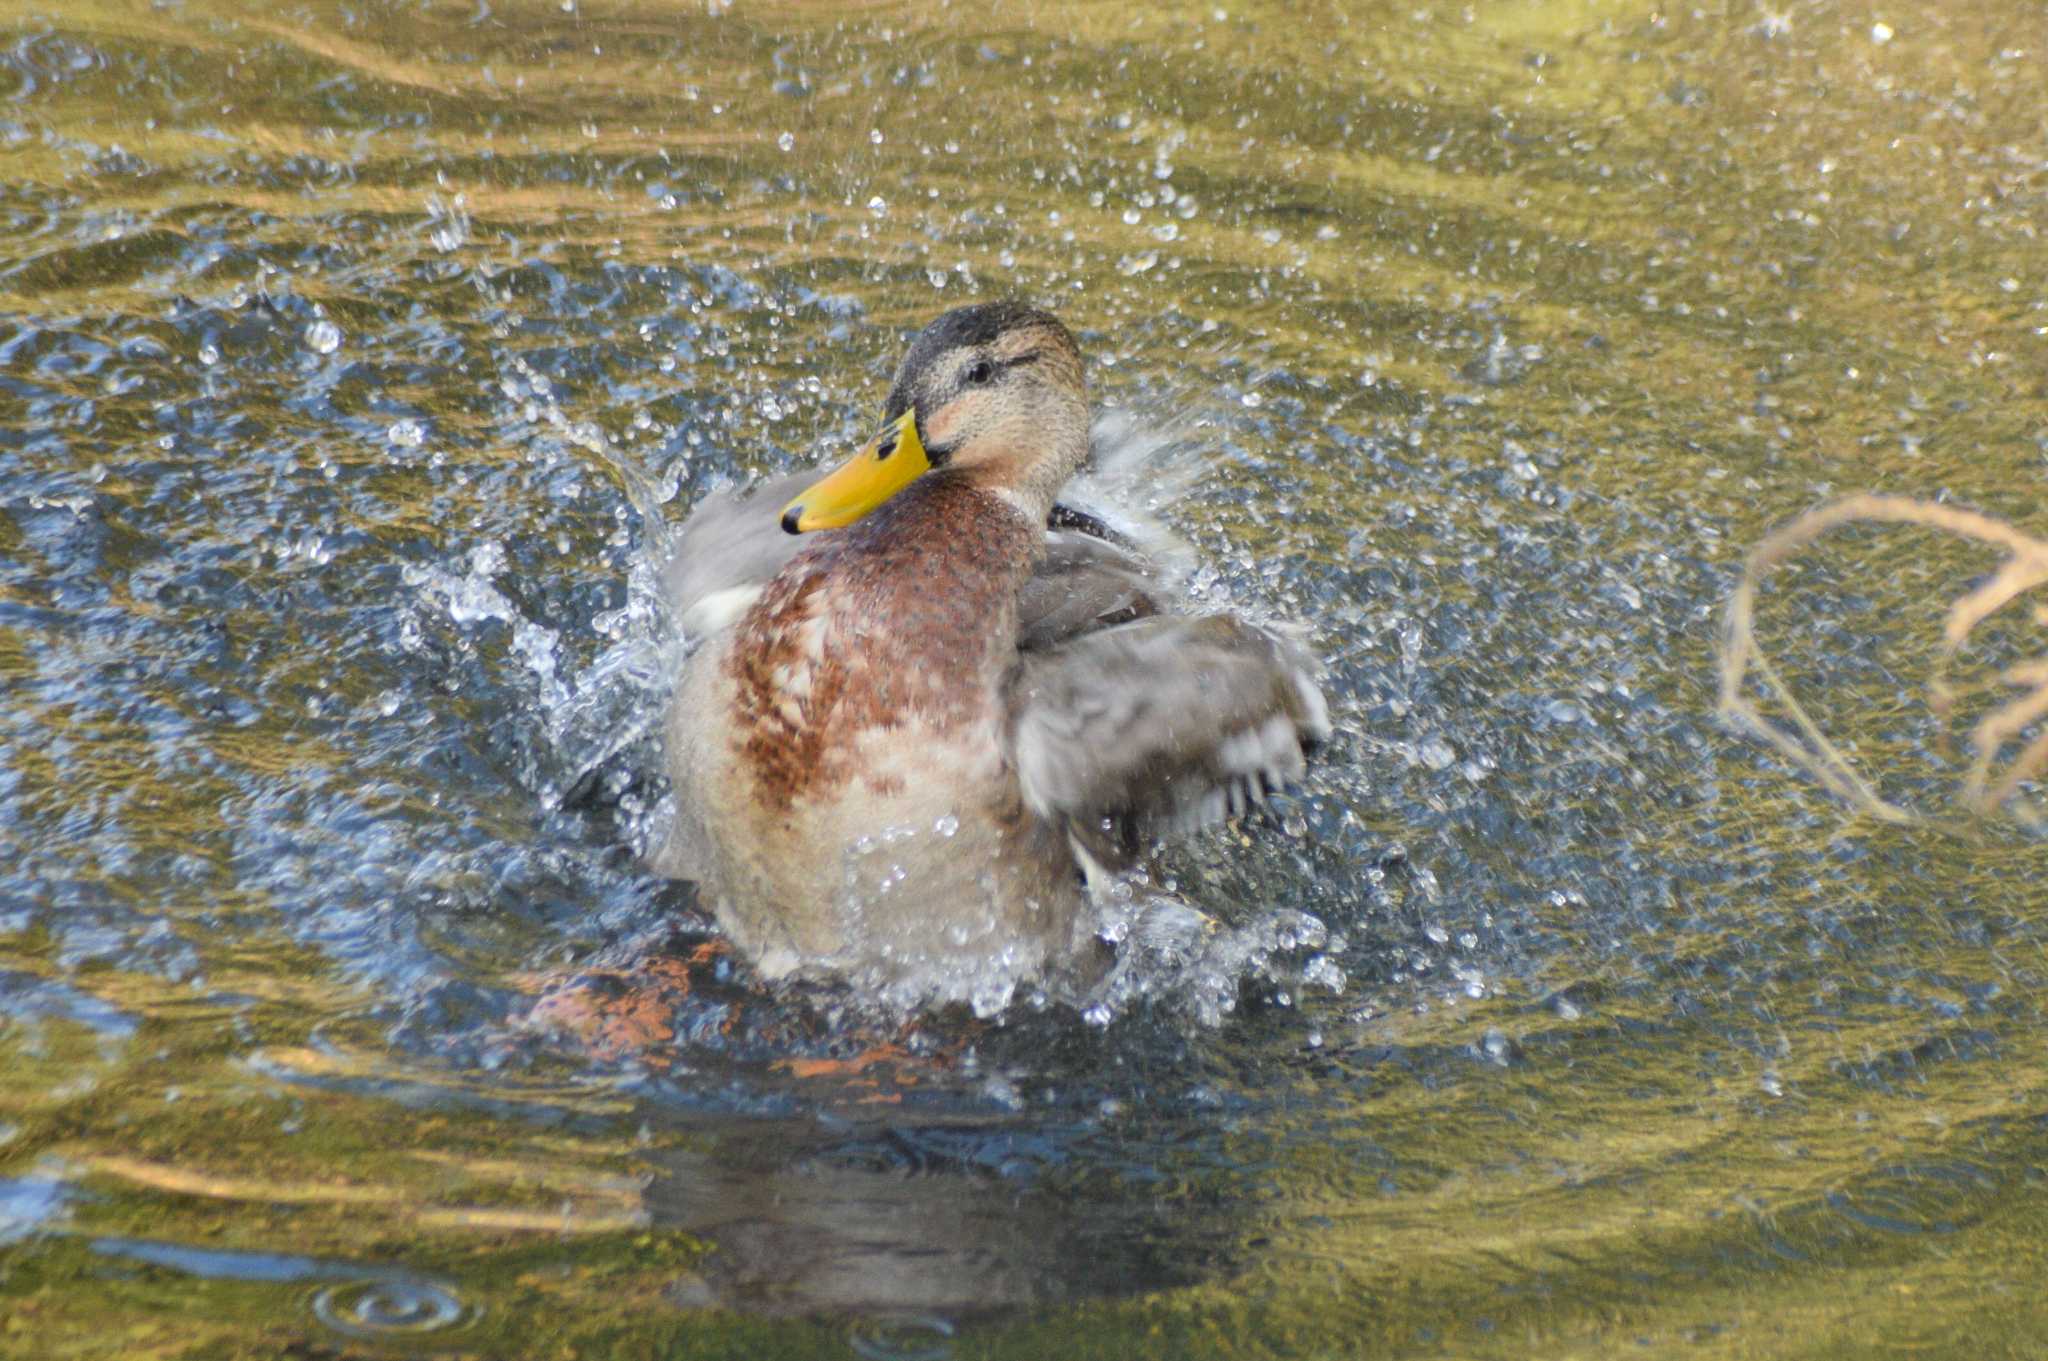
718, 611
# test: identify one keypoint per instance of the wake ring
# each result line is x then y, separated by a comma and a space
902, 1337
391, 1307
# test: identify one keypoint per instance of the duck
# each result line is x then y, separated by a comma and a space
929, 714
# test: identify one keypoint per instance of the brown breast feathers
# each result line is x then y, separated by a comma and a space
908, 613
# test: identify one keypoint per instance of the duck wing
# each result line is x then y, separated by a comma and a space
1083, 583
1165, 724
731, 546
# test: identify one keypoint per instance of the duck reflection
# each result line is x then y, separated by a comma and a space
952, 1220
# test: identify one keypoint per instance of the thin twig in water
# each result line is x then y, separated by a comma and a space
1803, 742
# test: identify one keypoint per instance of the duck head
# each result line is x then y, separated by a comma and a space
993, 393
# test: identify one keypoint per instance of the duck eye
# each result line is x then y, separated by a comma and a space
980, 372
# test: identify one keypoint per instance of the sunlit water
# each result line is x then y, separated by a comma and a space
354, 361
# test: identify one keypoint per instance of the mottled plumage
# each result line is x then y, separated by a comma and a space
901, 747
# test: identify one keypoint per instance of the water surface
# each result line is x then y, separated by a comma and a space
354, 358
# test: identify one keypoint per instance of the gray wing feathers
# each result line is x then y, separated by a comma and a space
731, 546
1083, 583
1165, 724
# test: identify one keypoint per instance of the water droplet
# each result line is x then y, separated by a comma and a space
947, 825
879, 206
451, 223
1323, 972
875, 136
323, 337
209, 354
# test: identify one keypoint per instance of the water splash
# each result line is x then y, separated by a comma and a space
1171, 954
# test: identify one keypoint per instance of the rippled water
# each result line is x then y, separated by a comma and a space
354, 359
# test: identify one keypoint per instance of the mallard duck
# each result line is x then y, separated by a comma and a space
930, 711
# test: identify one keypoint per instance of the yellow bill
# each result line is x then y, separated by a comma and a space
886, 465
